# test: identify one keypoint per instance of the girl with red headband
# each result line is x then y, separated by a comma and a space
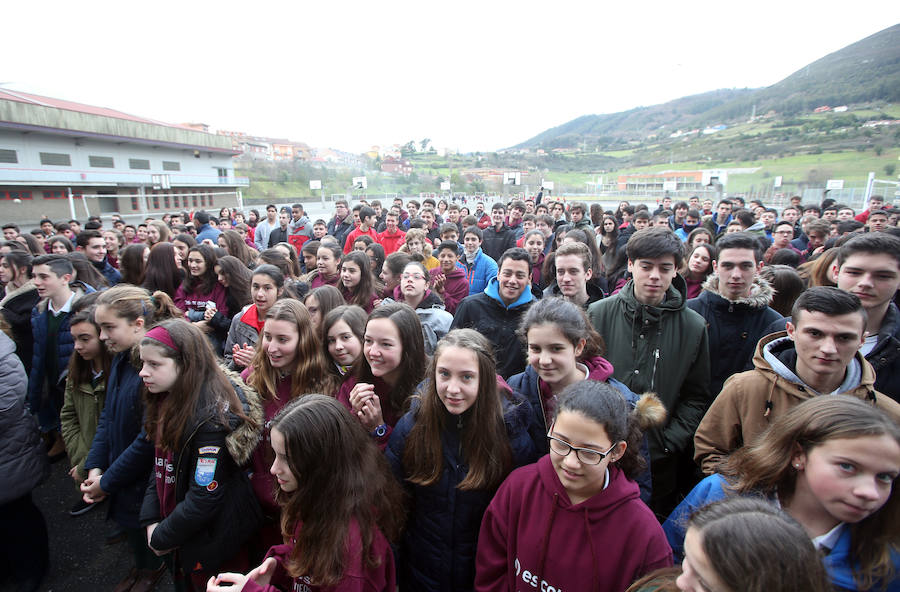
203, 423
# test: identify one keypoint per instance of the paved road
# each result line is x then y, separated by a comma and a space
80, 560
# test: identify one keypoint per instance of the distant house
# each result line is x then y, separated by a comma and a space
397, 166
841, 109
822, 109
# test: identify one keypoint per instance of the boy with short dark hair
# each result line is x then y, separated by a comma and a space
365, 228
668, 353
499, 237
53, 344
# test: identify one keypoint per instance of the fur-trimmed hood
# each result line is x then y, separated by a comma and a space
649, 411
761, 292
26, 287
245, 436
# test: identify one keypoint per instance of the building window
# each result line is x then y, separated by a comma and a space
8, 156
155, 201
171, 166
134, 203
166, 201
15, 195
55, 195
194, 199
139, 163
102, 162
55, 159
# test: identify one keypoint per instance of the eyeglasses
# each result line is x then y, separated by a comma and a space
413, 276
585, 456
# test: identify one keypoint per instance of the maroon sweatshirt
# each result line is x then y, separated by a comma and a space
358, 575
533, 538
456, 287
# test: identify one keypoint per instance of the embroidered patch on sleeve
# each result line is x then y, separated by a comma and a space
209, 450
206, 471
212, 486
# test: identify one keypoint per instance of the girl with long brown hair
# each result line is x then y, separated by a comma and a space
830, 463
340, 506
234, 245
451, 451
357, 285
162, 271
203, 425
289, 363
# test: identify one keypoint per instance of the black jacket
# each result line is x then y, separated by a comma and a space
216, 509
16, 308
734, 327
496, 242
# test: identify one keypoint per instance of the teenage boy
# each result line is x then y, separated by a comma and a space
93, 245
341, 225
877, 221
735, 304
53, 344
432, 230
496, 312
573, 275
691, 221
817, 355
876, 202
668, 353
499, 237
280, 233
868, 266
678, 218
579, 213
265, 227
782, 235
479, 267
719, 223
10, 231
320, 229
448, 279
514, 222
365, 228
392, 238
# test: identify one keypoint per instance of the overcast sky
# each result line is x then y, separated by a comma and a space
469, 75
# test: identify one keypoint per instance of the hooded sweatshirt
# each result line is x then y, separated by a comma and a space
533, 533
456, 286
751, 401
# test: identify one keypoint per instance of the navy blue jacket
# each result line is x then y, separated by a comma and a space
65, 345
112, 275
437, 551
526, 383
121, 448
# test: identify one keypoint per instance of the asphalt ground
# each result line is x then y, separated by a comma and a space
80, 559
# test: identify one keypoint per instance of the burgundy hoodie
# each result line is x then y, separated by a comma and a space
599, 369
533, 538
456, 287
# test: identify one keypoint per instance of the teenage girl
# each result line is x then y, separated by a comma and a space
200, 287
319, 302
747, 544
340, 507
327, 272
392, 365
574, 520
199, 508
121, 457
85, 389
393, 267
357, 285
20, 299
234, 276
697, 267
830, 463
266, 287
464, 435
344, 331
289, 362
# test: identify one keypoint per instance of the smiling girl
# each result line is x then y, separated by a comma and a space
289, 363
200, 285
574, 520
392, 365
357, 285
830, 463
344, 330
266, 286
327, 272
340, 507
121, 457
203, 425
463, 436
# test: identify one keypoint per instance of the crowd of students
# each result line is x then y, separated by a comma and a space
429, 397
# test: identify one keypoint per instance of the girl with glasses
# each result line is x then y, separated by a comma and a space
414, 291
464, 434
574, 520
